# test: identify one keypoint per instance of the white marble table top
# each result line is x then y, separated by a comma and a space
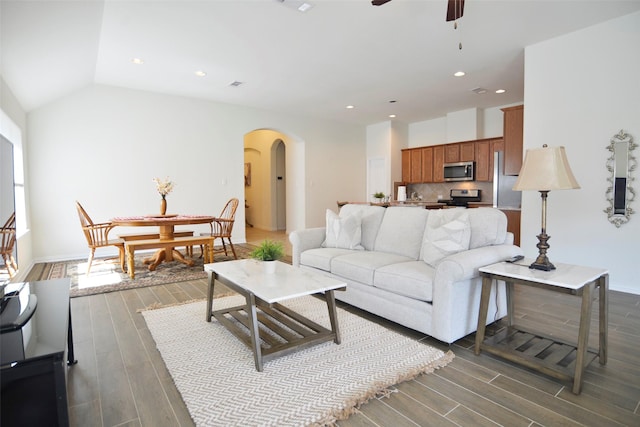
287, 282
565, 275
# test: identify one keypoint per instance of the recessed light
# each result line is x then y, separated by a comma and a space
392, 116
350, 107
137, 61
304, 7
500, 91
459, 73
200, 73
235, 83
479, 90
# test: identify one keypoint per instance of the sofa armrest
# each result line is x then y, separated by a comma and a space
302, 240
464, 265
457, 288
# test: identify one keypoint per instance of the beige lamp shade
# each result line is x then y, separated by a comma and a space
546, 169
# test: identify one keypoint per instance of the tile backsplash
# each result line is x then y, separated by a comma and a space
432, 192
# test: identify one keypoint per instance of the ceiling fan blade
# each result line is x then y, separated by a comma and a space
455, 9
379, 2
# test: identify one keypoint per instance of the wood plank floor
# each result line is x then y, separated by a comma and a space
121, 380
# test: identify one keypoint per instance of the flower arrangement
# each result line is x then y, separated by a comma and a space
268, 250
164, 187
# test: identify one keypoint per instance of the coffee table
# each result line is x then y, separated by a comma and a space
271, 329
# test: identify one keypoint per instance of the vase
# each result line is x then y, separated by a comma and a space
269, 267
163, 206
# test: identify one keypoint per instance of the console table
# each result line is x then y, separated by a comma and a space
545, 354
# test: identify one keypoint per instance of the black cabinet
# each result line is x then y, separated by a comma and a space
35, 353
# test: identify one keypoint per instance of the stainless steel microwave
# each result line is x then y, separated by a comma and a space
461, 171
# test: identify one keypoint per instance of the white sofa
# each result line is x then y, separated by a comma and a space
381, 252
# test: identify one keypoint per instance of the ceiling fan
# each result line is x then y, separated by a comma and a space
455, 8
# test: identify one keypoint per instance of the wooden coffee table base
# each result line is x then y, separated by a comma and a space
265, 323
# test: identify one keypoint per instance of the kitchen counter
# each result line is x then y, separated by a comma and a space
419, 203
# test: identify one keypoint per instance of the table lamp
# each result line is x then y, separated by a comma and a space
545, 169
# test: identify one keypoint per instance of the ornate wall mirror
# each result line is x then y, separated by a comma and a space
620, 164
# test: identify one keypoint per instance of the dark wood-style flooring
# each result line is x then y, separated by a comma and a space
121, 380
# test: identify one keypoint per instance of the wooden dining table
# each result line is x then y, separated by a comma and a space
166, 225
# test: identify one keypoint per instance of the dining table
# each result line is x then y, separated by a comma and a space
166, 225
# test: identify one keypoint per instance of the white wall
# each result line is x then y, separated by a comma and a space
580, 90
458, 126
103, 145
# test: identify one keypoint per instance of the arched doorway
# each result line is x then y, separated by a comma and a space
265, 180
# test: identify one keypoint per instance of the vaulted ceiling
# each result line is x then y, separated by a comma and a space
311, 63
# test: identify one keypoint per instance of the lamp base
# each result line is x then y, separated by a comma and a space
545, 265
542, 262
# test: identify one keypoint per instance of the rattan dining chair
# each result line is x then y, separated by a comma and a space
97, 236
8, 241
222, 226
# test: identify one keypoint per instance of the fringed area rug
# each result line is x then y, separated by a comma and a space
106, 275
216, 375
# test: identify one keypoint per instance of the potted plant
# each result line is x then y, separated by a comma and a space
267, 251
378, 196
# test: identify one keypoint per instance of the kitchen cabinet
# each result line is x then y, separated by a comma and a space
451, 153
484, 160
467, 151
416, 166
513, 224
513, 136
406, 165
438, 163
496, 145
427, 164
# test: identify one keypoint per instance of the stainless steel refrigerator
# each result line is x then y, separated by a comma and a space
503, 195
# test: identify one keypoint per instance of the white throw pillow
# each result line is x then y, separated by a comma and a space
343, 232
448, 232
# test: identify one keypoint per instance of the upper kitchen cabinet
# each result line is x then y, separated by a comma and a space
406, 165
412, 165
483, 155
484, 149
427, 164
467, 151
438, 163
512, 134
452, 153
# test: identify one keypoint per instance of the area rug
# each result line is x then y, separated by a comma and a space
106, 275
216, 375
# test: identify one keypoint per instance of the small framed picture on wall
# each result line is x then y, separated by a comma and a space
247, 174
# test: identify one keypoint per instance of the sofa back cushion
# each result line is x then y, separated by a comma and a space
370, 219
488, 227
401, 231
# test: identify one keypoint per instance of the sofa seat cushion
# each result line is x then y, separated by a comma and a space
361, 265
320, 258
413, 279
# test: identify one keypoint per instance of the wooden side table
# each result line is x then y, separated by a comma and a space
545, 354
